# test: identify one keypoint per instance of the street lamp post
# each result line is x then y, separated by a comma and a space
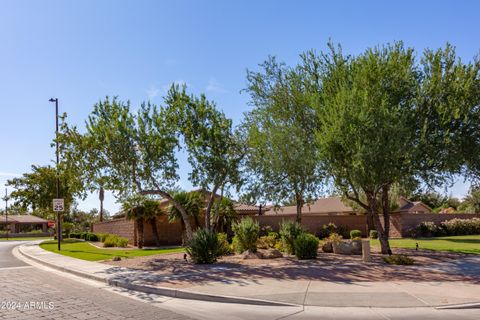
6, 213
59, 227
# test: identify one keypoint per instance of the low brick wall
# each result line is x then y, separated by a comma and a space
169, 233
121, 227
313, 222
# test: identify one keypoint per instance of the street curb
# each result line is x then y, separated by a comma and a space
475, 305
163, 291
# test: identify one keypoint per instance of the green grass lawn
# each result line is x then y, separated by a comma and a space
26, 238
463, 244
85, 251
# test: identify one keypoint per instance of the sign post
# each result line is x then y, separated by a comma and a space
58, 207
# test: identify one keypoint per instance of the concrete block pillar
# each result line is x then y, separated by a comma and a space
366, 255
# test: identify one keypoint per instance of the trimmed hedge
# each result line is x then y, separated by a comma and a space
306, 246
355, 234
373, 234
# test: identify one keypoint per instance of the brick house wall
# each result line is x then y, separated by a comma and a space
121, 227
171, 233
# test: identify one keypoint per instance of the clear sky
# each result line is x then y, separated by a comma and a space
81, 51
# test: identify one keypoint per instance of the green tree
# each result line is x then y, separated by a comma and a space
378, 117
214, 152
36, 190
282, 154
194, 204
133, 152
471, 202
224, 214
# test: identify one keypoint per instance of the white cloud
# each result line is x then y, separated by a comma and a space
215, 86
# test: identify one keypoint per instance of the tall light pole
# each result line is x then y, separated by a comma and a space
59, 226
6, 212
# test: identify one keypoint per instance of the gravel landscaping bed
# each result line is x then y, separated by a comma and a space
327, 267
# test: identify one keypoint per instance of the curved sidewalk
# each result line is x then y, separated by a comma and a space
268, 291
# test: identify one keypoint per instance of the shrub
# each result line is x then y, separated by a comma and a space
373, 234
279, 246
223, 245
289, 231
203, 248
102, 236
355, 234
246, 234
274, 235
398, 259
121, 242
91, 237
266, 242
306, 246
457, 227
73, 235
110, 241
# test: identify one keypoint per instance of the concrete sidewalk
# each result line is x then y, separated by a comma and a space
268, 291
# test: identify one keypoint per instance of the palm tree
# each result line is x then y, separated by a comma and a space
140, 209
193, 202
223, 214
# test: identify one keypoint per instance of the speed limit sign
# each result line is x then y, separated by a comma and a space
58, 205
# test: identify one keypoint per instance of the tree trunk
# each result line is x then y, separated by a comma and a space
209, 208
140, 233
373, 204
178, 206
153, 223
197, 222
299, 200
386, 220
370, 223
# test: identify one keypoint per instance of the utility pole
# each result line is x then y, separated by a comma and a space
57, 210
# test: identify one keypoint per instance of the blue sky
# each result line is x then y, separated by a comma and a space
81, 51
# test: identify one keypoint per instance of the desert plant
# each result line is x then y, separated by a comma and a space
246, 234
91, 237
223, 245
373, 234
306, 246
266, 242
289, 231
121, 242
110, 241
398, 259
355, 234
203, 248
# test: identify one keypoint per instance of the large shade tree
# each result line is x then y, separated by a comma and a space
279, 132
36, 190
214, 152
133, 152
387, 119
